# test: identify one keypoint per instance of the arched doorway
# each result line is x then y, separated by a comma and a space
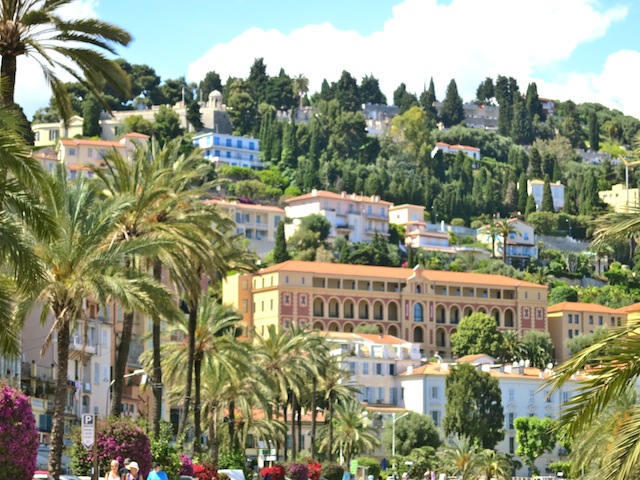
392, 311
418, 334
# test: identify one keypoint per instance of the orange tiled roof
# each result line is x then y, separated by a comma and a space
382, 339
246, 206
580, 307
438, 369
630, 308
72, 142
136, 135
457, 146
472, 358
337, 196
396, 273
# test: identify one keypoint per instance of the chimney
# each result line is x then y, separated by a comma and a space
343, 194
314, 192
410, 370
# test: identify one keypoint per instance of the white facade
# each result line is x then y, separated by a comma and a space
521, 244
221, 149
522, 392
358, 218
471, 152
536, 188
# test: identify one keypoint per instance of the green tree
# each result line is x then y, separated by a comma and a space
317, 223
137, 124
533, 105
194, 117
403, 99
485, 92
521, 130
82, 262
209, 83
280, 253
242, 112
522, 193
562, 294
535, 436
537, 347
346, 92
594, 131
91, 117
452, 112
477, 333
258, 80
491, 464
478, 416
166, 125
370, 91
427, 102
76, 46
547, 197
413, 431
458, 457
506, 229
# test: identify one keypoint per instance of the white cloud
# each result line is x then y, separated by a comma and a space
466, 40
32, 91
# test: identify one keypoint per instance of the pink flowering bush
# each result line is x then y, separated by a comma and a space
117, 438
276, 472
18, 435
315, 469
299, 471
187, 466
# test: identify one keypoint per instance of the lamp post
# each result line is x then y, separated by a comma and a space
128, 375
394, 419
569, 222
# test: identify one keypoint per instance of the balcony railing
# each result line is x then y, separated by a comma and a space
78, 345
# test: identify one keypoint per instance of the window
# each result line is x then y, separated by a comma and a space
96, 374
570, 318
73, 152
512, 236
576, 333
271, 304
570, 333
435, 416
526, 236
228, 142
258, 219
576, 318
379, 369
512, 445
365, 368
599, 319
36, 136
613, 322
392, 369
90, 152
434, 392
286, 299
303, 299
510, 421
565, 397
367, 394
352, 368
54, 134
276, 221
286, 279
252, 146
590, 319
512, 395
262, 306
238, 143
216, 140
526, 295
228, 155
245, 306
417, 313
381, 394
393, 396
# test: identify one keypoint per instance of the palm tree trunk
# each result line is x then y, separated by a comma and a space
504, 249
299, 445
8, 73
314, 414
157, 366
232, 424
330, 429
197, 407
294, 407
60, 397
122, 358
193, 319
214, 444
284, 419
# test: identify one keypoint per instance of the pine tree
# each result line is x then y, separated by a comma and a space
427, 101
522, 193
594, 131
452, 112
547, 197
280, 253
531, 206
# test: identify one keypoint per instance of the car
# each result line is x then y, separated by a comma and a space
41, 475
68, 477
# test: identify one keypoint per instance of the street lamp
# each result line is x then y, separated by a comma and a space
394, 419
128, 375
569, 222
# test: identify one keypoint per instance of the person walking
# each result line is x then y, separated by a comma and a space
134, 472
124, 471
113, 473
157, 473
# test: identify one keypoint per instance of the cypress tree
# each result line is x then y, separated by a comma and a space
289, 146
280, 253
535, 164
452, 112
533, 105
547, 197
531, 206
91, 117
520, 124
522, 193
427, 100
594, 131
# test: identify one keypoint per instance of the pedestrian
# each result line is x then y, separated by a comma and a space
134, 472
113, 473
124, 470
405, 476
157, 473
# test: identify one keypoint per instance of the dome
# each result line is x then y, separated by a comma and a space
215, 94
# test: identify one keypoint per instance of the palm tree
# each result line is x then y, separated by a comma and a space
35, 28
353, 433
490, 464
165, 191
457, 457
21, 213
493, 231
614, 373
300, 87
77, 264
505, 230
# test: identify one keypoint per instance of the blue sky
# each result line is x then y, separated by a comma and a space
587, 50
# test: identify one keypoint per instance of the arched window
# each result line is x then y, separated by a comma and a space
393, 330
455, 315
393, 311
348, 309
334, 309
508, 318
418, 335
318, 307
418, 289
441, 338
363, 310
417, 312
378, 311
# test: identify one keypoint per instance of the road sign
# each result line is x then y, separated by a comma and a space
88, 431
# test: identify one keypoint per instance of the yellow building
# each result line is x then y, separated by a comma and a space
570, 319
257, 223
621, 198
48, 134
86, 152
416, 305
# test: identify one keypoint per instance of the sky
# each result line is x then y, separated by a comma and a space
583, 50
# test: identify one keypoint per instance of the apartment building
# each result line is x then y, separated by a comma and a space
521, 244
523, 394
536, 188
358, 218
471, 152
416, 305
222, 149
85, 152
48, 134
567, 320
622, 199
257, 223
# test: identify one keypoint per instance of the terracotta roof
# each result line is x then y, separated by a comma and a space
382, 339
473, 358
630, 308
406, 205
580, 307
72, 142
246, 206
337, 196
457, 147
136, 135
78, 167
438, 369
396, 273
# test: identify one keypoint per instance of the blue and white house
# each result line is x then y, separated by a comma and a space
221, 149
521, 244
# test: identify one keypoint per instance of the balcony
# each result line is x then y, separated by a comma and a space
135, 350
86, 387
78, 345
33, 370
344, 227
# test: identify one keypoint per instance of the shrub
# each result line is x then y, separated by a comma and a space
332, 471
276, 472
299, 471
18, 435
164, 452
117, 438
372, 463
187, 466
204, 471
233, 459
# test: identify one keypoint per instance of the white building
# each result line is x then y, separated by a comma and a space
221, 149
358, 218
521, 244
523, 395
471, 152
536, 188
